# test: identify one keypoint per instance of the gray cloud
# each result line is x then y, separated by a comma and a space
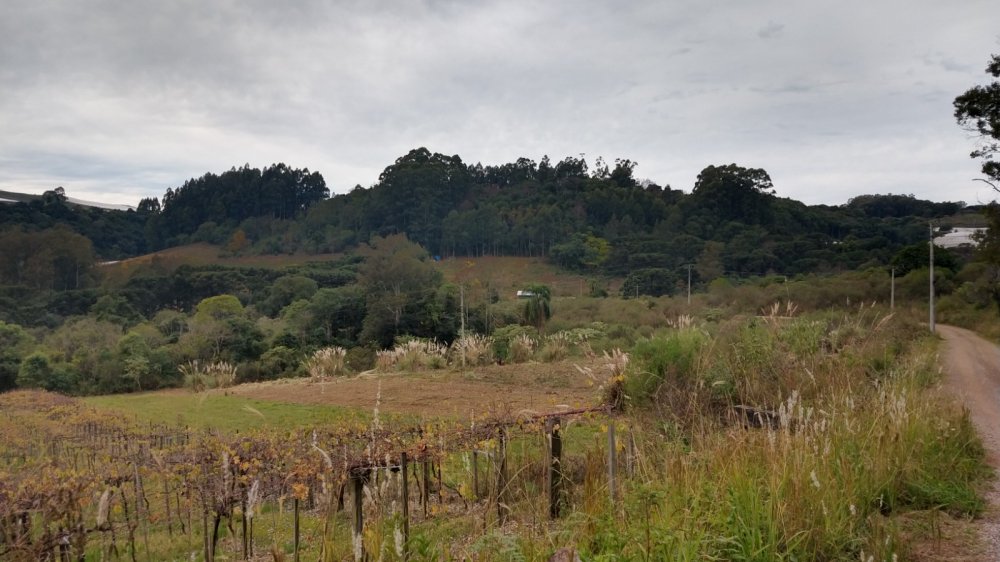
771, 29
118, 99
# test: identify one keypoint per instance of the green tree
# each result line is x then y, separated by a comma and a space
709, 266
988, 250
339, 312
537, 308
220, 329
37, 371
978, 110
582, 251
917, 256
653, 281
397, 278
115, 309
735, 193
14, 345
286, 290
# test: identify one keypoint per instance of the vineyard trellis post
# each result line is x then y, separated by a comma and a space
425, 492
612, 461
502, 508
406, 507
295, 554
555, 467
358, 482
630, 459
475, 475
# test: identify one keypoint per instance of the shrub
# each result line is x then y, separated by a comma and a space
326, 362
412, 355
359, 359
205, 376
521, 348
476, 350
504, 337
279, 361
556, 348
671, 356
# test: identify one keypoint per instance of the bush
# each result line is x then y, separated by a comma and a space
326, 362
504, 337
205, 376
412, 355
474, 350
521, 349
556, 348
672, 356
359, 359
279, 361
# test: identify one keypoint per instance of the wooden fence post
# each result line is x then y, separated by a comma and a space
440, 475
630, 459
503, 510
406, 508
612, 461
475, 475
359, 521
555, 468
425, 492
295, 555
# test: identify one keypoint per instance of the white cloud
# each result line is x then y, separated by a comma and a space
116, 99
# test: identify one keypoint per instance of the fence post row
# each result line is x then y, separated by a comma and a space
161, 436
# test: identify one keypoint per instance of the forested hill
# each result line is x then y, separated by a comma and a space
586, 217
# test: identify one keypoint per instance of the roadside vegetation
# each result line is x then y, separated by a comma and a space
781, 435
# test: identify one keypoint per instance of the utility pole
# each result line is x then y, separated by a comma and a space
461, 307
892, 290
932, 277
689, 284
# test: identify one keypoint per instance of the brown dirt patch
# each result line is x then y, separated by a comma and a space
537, 387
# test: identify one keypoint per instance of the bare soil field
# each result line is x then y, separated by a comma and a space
536, 387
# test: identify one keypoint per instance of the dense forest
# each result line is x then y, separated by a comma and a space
65, 326
598, 218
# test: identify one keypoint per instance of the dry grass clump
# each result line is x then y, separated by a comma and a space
682, 321
326, 362
775, 311
556, 348
610, 380
521, 348
203, 376
412, 355
476, 350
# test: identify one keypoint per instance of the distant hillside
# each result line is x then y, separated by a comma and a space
14, 197
593, 219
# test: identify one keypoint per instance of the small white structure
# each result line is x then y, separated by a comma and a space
525, 294
956, 237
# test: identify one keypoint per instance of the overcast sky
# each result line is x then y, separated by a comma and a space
117, 100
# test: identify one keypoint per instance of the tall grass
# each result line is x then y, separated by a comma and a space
326, 362
200, 376
849, 451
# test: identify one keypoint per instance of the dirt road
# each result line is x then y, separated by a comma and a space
972, 372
